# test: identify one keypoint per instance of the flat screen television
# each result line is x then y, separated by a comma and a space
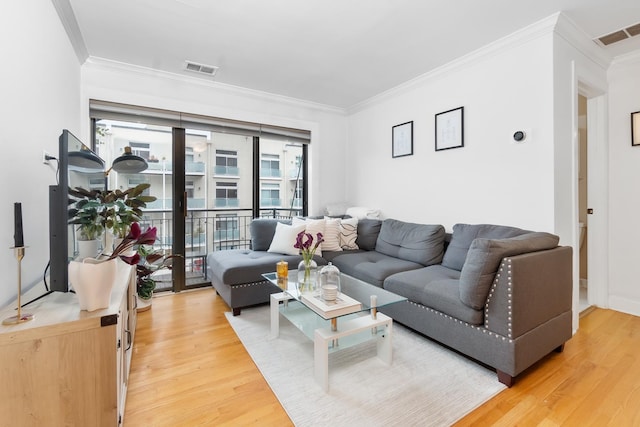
78, 166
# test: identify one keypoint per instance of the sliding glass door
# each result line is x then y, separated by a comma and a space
154, 144
210, 177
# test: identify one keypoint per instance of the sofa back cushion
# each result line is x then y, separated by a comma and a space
262, 231
420, 243
368, 231
483, 261
464, 234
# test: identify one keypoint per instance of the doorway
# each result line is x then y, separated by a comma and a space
591, 207
583, 204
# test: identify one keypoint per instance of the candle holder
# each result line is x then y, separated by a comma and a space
19, 317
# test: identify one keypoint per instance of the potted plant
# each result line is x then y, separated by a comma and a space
115, 210
123, 208
86, 215
146, 259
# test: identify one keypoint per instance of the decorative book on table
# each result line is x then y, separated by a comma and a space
342, 305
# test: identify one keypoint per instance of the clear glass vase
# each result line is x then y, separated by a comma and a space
307, 276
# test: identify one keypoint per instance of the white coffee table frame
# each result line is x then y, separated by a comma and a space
323, 337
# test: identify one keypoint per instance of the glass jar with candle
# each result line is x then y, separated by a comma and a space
329, 282
282, 273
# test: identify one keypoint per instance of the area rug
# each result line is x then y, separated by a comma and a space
426, 385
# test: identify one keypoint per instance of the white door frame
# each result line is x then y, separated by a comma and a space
597, 196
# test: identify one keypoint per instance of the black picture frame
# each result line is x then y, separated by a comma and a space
402, 140
635, 129
450, 129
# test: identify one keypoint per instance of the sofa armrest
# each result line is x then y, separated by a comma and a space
529, 290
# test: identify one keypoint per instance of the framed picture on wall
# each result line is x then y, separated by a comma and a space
402, 140
635, 128
449, 129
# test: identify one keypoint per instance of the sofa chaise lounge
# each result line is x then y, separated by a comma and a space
500, 295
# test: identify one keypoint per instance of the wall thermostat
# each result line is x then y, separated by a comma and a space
519, 136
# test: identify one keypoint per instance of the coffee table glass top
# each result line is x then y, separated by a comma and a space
308, 321
355, 288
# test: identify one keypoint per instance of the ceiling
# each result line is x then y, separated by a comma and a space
333, 52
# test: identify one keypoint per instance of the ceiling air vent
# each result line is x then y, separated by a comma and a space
619, 35
209, 70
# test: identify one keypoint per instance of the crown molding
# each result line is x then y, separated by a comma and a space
576, 37
557, 23
68, 19
108, 64
632, 58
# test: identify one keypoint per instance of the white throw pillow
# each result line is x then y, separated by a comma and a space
284, 239
336, 209
313, 227
331, 235
349, 233
362, 212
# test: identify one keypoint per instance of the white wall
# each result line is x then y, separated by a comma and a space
40, 87
131, 85
624, 195
489, 180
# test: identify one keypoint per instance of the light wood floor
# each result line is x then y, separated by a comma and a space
189, 368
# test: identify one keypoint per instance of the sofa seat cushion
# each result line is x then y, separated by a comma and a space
240, 266
371, 266
483, 261
464, 234
420, 243
435, 287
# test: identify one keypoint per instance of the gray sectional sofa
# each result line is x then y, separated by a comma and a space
500, 295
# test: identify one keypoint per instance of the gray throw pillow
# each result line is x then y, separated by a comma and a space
419, 243
368, 230
262, 231
464, 234
483, 261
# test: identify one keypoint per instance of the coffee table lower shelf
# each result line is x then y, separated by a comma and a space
349, 330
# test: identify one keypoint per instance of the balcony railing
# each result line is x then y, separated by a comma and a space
226, 235
189, 167
204, 223
192, 203
226, 203
270, 173
226, 170
270, 203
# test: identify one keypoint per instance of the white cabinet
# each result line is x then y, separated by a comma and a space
67, 366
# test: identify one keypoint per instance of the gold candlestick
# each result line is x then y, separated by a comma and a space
20, 317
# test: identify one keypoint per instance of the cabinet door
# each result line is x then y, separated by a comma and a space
67, 379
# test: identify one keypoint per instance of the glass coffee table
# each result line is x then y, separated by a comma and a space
333, 333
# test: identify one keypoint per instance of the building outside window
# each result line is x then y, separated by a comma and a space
226, 163
270, 166
226, 194
140, 149
270, 195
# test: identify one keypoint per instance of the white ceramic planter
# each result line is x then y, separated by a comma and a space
92, 280
144, 304
88, 249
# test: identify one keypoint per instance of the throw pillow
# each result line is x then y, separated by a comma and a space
284, 239
336, 209
313, 227
331, 235
421, 243
368, 230
262, 231
485, 256
464, 234
349, 233
362, 212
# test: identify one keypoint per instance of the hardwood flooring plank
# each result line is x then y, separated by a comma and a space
189, 368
